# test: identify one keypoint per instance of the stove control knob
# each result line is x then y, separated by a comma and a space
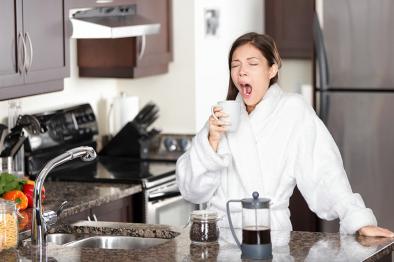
183, 144
170, 144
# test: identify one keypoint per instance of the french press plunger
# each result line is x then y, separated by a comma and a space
256, 228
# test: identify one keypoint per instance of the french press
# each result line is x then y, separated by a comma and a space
256, 227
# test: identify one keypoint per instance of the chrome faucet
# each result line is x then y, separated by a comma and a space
39, 221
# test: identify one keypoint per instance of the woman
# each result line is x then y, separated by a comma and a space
279, 143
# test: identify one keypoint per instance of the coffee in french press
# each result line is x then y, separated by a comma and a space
256, 232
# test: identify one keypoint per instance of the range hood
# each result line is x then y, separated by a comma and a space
112, 22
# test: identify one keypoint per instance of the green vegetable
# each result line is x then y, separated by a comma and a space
10, 182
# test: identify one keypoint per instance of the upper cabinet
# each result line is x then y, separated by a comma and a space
34, 47
129, 57
290, 24
11, 34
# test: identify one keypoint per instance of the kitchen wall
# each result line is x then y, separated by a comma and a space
197, 77
172, 92
294, 74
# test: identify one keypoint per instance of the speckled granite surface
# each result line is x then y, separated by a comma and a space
80, 197
117, 229
287, 246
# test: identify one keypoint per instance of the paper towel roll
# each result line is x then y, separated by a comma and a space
124, 109
307, 93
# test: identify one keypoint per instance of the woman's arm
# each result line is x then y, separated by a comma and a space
198, 170
322, 179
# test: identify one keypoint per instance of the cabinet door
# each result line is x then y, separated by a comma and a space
11, 26
290, 24
82, 216
121, 57
158, 49
45, 35
74, 4
115, 211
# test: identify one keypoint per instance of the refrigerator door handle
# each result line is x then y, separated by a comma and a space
321, 54
324, 106
321, 57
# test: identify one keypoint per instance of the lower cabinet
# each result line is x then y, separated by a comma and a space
302, 218
116, 211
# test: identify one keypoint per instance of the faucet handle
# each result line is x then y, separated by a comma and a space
61, 208
51, 217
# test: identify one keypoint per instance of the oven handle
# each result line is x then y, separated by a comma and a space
163, 195
151, 216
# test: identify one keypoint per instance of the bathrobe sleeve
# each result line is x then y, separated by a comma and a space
321, 177
198, 170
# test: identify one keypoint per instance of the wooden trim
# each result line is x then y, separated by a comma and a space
92, 3
31, 89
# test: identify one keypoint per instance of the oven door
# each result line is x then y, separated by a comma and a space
167, 206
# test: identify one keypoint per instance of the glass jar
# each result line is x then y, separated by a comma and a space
8, 225
204, 228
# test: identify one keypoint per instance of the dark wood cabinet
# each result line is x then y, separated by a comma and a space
115, 211
75, 4
122, 57
84, 215
290, 24
34, 47
9, 32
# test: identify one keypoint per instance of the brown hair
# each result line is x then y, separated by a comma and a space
267, 47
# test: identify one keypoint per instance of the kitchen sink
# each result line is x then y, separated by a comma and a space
109, 239
116, 242
60, 239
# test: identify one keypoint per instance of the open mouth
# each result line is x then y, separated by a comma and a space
246, 90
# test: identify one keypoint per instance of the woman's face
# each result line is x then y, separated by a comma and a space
251, 74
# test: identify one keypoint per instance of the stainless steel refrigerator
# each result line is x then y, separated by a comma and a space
354, 94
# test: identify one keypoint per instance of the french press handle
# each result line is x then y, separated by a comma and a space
231, 222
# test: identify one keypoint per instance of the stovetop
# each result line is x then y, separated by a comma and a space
132, 156
118, 170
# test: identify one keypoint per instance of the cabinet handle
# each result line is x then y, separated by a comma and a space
22, 53
142, 47
28, 65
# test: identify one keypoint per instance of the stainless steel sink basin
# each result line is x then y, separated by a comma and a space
60, 239
117, 242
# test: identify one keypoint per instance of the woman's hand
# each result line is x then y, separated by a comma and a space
216, 127
374, 231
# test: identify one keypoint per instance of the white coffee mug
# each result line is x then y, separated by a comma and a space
233, 110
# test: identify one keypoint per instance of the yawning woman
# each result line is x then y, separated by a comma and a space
280, 143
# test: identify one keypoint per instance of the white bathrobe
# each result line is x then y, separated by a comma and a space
280, 144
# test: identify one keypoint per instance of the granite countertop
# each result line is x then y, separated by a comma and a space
287, 246
80, 197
